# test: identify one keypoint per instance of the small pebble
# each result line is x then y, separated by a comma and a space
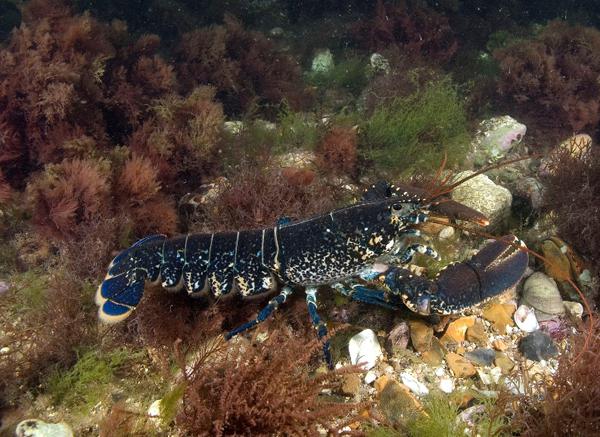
538, 346
155, 410
413, 384
398, 338
574, 309
446, 385
446, 233
490, 376
4, 287
481, 356
370, 376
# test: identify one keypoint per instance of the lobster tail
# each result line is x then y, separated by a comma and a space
123, 287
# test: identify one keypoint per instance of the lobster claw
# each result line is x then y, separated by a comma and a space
493, 270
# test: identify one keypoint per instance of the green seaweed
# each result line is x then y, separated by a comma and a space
29, 291
414, 133
169, 404
296, 131
349, 74
439, 420
84, 385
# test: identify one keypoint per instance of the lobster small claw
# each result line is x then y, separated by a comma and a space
493, 270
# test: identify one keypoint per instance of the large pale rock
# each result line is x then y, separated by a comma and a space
482, 194
364, 349
39, 428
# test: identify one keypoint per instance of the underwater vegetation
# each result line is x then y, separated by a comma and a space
245, 67
572, 193
417, 130
551, 78
410, 27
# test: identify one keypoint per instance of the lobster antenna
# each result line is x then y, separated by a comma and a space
590, 331
448, 189
438, 173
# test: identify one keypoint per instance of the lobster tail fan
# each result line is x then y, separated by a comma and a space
123, 287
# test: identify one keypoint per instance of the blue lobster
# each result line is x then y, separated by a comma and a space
330, 249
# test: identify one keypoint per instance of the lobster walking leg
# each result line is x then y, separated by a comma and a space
272, 306
318, 323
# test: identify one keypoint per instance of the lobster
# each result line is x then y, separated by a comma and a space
367, 240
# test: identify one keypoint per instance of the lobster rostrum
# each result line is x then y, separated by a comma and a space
367, 240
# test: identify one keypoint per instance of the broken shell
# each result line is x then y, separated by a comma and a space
541, 293
525, 319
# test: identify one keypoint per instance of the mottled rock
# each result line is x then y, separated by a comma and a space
398, 337
525, 319
496, 136
435, 355
490, 376
476, 334
504, 362
541, 293
538, 346
397, 403
446, 233
481, 356
420, 335
456, 331
483, 195
460, 366
500, 314
364, 349
39, 428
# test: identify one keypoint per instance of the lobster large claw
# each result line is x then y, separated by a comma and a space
493, 270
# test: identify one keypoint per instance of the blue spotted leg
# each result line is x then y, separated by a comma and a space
271, 307
318, 323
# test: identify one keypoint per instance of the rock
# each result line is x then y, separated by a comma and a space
538, 346
322, 61
276, 32
364, 349
573, 309
541, 293
504, 362
39, 428
483, 195
528, 193
351, 384
4, 287
456, 331
525, 319
398, 337
578, 146
413, 384
370, 376
476, 334
490, 376
481, 356
420, 335
499, 345
379, 64
397, 403
381, 382
298, 159
500, 314
436, 354
446, 385
472, 415
460, 366
496, 136
446, 233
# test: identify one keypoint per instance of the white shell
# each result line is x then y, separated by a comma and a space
525, 319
